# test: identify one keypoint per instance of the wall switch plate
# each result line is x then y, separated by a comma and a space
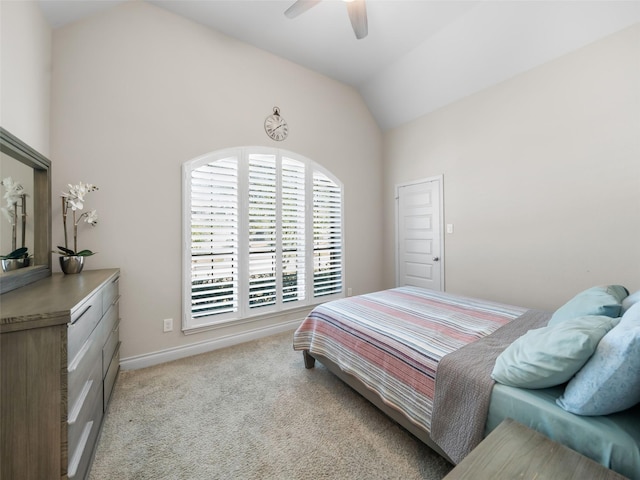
168, 325
449, 227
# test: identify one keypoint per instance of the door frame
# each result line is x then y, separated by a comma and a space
440, 180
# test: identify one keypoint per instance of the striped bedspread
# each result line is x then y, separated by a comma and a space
393, 340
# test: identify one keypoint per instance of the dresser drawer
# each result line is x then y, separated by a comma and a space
110, 377
82, 324
110, 294
81, 458
108, 325
110, 347
83, 423
79, 371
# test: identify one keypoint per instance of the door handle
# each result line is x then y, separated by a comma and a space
435, 259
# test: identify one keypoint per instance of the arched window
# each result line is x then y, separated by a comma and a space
262, 232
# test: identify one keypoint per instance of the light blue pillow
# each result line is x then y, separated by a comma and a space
630, 300
610, 381
548, 356
603, 300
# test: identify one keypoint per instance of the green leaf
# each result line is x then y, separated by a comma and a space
65, 251
85, 253
18, 253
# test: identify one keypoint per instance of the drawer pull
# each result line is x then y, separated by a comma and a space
77, 408
83, 312
117, 300
76, 361
77, 455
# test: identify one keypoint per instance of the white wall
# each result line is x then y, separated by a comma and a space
492, 41
541, 178
25, 73
136, 92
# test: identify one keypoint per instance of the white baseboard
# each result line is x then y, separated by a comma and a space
162, 356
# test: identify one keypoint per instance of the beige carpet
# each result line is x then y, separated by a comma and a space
251, 412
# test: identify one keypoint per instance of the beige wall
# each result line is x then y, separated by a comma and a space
136, 92
541, 178
25, 73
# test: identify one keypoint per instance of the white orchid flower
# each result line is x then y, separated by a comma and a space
8, 213
14, 191
76, 193
92, 218
13, 194
76, 204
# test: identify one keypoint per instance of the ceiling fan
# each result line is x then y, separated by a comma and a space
357, 10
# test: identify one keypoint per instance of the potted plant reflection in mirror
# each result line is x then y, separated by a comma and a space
16, 208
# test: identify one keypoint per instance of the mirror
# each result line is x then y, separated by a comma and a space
31, 169
12, 238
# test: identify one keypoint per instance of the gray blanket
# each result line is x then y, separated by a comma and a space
464, 384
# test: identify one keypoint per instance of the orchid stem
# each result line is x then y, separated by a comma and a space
24, 217
14, 232
75, 233
65, 206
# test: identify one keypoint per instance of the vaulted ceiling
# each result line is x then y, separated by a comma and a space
418, 56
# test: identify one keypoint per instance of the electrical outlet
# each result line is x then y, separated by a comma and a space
349, 292
168, 325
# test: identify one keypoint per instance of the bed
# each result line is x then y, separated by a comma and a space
427, 359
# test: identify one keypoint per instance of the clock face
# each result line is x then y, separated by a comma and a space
276, 127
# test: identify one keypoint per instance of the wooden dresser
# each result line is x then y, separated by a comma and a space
59, 358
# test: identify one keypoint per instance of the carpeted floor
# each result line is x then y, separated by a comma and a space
251, 412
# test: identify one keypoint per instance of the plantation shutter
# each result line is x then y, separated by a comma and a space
257, 223
293, 230
214, 238
262, 230
327, 236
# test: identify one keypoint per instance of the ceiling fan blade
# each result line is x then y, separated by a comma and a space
358, 15
300, 7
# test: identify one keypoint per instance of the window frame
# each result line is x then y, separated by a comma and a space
244, 313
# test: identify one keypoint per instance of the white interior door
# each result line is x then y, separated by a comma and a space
419, 234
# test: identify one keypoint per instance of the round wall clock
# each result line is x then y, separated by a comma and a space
276, 126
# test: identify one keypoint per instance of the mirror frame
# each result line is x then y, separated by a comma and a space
20, 151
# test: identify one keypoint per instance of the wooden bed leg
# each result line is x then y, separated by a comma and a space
309, 361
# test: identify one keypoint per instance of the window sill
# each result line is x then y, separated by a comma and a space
254, 318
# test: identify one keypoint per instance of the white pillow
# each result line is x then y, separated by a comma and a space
548, 356
630, 300
600, 300
610, 381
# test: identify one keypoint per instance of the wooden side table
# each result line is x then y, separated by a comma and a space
513, 451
